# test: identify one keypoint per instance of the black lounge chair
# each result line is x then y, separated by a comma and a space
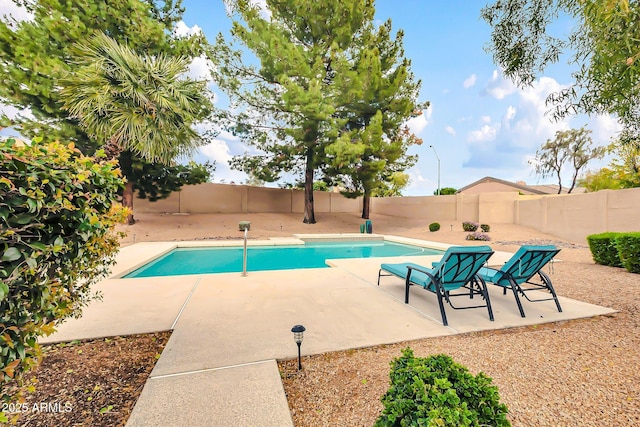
525, 269
457, 269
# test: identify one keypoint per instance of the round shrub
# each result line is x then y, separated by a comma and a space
485, 227
434, 226
628, 245
470, 226
604, 250
436, 391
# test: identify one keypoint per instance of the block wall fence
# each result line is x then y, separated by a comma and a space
571, 216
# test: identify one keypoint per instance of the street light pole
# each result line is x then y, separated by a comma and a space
436, 153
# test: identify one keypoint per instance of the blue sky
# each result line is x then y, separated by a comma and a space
479, 123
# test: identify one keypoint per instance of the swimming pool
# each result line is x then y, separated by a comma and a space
182, 261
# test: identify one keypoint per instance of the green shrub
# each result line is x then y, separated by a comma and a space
470, 226
434, 226
604, 250
485, 227
629, 250
436, 391
57, 214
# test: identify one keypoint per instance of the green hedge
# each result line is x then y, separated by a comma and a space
629, 251
604, 250
436, 391
57, 218
434, 226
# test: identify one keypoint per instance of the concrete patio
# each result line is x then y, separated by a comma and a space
219, 366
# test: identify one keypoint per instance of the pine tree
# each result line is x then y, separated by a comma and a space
288, 102
370, 156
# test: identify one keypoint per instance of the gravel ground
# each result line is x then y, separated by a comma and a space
583, 372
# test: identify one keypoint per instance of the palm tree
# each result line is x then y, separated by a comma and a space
135, 105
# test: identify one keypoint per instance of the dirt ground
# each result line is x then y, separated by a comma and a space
90, 383
572, 373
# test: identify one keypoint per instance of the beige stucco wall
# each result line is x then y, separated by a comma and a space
430, 208
496, 208
532, 213
270, 200
575, 216
571, 216
623, 210
215, 198
226, 198
339, 203
467, 206
171, 204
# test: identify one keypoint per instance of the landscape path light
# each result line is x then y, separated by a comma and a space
298, 335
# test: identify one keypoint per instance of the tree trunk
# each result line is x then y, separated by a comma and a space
127, 194
127, 201
573, 182
366, 205
309, 214
559, 183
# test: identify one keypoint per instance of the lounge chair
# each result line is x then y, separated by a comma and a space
521, 270
457, 269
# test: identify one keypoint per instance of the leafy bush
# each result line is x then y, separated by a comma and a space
629, 250
478, 236
446, 191
485, 227
470, 226
57, 214
604, 250
434, 226
436, 391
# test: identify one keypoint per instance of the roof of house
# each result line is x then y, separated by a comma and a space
520, 186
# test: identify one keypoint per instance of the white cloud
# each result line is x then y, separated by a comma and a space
183, 30
484, 134
220, 152
486, 119
604, 128
217, 150
418, 184
511, 113
200, 69
450, 130
10, 8
418, 123
498, 87
469, 81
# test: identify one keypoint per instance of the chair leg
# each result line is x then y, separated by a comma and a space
547, 281
407, 284
379, 274
514, 288
482, 286
440, 293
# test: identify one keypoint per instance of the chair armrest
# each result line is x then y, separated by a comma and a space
428, 273
419, 269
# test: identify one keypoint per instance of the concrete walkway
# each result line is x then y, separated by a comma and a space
219, 366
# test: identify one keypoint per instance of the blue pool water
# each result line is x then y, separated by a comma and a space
229, 259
